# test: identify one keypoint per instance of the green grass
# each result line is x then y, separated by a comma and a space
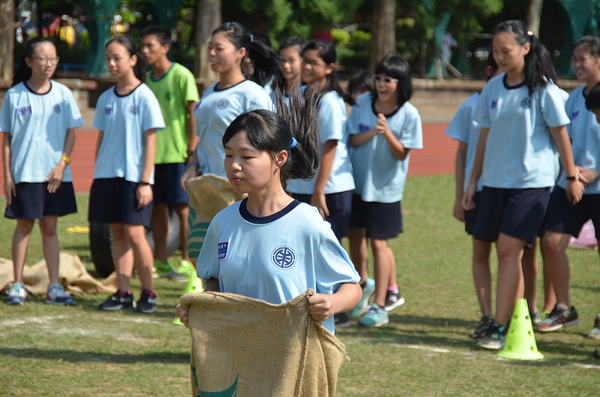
425, 350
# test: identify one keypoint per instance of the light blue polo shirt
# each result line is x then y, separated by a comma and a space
38, 125
274, 258
584, 132
216, 110
378, 174
520, 152
124, 119
332, 126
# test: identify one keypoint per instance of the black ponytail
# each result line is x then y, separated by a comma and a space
538, 65
267, 65
327, 53
126, 41
23, 72
293, 128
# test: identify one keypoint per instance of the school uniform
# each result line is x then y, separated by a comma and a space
119, 165
338, 190
263, 258
379, 176
520, 161
37, 124
584, 131
216, 110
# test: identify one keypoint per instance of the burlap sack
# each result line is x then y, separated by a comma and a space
209, 194
73, 276
247, 347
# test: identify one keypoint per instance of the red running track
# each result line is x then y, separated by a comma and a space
437, 157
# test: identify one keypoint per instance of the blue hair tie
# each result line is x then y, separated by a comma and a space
250, 37
294, 143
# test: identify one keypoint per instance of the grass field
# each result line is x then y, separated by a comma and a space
425, 350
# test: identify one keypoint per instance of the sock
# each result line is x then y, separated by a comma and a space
394, 289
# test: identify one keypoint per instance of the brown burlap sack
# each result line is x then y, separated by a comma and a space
247, 347
209, 194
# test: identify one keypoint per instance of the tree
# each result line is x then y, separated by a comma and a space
383, 41
208, 18
7, 39
534, 16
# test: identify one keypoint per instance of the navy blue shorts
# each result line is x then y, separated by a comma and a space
339, 206
564, 217
381, 221
33, 201
113, 200
167, 188
471, 216
514, 212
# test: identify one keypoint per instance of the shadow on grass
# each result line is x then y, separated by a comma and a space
73, 356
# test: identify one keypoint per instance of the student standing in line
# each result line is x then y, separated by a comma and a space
290, 53
521, 114
38, 119
175, 88
127, 117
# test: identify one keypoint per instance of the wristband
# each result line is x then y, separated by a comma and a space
573, 178
66, 159
192, 163
190, 152
143, 183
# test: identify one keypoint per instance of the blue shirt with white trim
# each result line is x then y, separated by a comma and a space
520, 152
216, 110
332, 126
378, 174
124, 119
37, 124
265, 258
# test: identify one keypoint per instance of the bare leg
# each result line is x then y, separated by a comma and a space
482, 276
160, 231
530, 271
122, 255
556, 245
136, 237
182, 210
382, 265
393, 276
51, 246
510, 253
549, 295
20, 242
359, 252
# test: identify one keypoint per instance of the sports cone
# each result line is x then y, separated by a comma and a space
520, 341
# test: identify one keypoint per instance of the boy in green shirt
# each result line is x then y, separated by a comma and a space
177, 93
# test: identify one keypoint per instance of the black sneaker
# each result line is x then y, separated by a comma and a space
494, 337
341, 320
120, 300
558, 318
393, 300
483, 326
147, 302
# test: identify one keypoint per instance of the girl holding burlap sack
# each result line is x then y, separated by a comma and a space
270, 246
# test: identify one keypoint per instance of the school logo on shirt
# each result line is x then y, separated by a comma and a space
57, 109
222, 250
363, 127
494, 104
283, 257
134, 110
24, 111
108, 110
526, 103
223, 103
575, 114
168, 96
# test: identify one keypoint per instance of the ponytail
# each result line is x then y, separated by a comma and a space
266, 63
327, 53
139, 69
23, 72
293, 128
538, 65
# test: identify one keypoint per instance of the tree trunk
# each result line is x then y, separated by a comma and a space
208, 18
7, 38
534, 15
383, 41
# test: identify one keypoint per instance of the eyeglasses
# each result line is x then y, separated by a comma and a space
314, 65
44, 60
386, 80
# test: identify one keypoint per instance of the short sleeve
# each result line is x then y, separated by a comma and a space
482, 111
333, 266
331, 119
6, 115
569, 110
100, 112
259, 100
207, 266
552, 106
188, 87
412, 134
354, 118
73, 114
151, 113
459, 126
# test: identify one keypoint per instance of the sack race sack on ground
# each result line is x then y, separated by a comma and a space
73, 276
209, 194
247, 347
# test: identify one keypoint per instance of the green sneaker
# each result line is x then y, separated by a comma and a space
167, 270
375, 317
363, 306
